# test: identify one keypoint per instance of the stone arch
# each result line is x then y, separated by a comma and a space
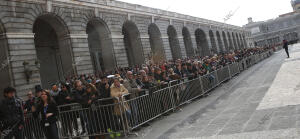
54, 50
213, 42
202, 43
133, 44
231, 45
225, 41
188, 42
174, 43
156, 42
235, 46
61, 13
5, 79
100, 45
221, 47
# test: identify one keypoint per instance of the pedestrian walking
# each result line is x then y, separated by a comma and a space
286, 48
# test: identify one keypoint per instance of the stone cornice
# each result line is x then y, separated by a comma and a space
138, 9
19, 35
78, 36
118, 6
117, 36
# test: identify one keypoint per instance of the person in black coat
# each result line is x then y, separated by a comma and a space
286, 48
64, 96
29, 103
11, 114
105, 112
90, 114
78, 91
147, 84
178, 70
49, 112
77, 94
104, 90
29, 119
158, 76
68, 117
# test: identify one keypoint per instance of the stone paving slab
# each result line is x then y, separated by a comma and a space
272, 134
254, 105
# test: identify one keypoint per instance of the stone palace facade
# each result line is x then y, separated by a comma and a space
274, 31
45, 41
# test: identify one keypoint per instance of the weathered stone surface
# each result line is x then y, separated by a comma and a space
69, 19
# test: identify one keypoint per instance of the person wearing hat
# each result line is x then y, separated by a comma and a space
11, 115
38, 93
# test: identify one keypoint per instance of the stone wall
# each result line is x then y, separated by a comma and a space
18, 18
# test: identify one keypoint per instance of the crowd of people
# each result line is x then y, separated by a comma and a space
44, 104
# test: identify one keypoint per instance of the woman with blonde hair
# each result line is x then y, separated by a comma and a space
117, 90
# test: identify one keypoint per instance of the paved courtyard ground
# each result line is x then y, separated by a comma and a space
263, 102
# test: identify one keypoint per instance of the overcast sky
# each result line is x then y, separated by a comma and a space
217, 9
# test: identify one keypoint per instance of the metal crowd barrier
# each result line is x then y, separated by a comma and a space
122, 115
104, 116
242, 65
32, 127
148, 106
209, 81
223, 74
187, 91
234, 69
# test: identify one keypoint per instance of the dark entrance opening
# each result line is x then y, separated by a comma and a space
53, 48
133, 44
101, 46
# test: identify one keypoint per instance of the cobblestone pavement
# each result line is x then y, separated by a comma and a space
262, 102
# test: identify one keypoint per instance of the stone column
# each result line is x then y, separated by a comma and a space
82, 63
146, 46
5, 72
222, 41
209, 44
21, 51
182, 46
119, 50
194, 42
216, 41
167, 48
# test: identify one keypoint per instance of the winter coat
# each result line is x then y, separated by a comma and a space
11, 112
118, 92
132, 87
43, 110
